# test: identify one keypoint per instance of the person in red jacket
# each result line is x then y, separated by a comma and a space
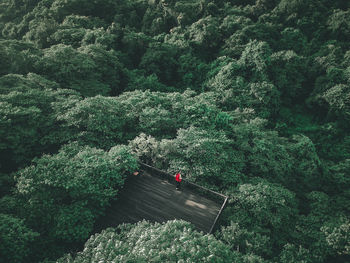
178, 180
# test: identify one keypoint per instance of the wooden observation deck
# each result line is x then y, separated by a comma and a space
152, 196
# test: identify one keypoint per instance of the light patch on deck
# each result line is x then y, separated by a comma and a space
191, 203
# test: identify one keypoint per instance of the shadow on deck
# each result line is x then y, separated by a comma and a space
155, 199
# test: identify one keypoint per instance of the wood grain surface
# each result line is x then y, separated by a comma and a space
151, 198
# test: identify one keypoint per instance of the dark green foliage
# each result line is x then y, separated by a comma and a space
287, 73
28, 123
293, 39
134, 45
245, 241
201, 155
339, 24
324, 229
192, 71
138, 81
338, 237
266, 209
94, 118
160, 60
15, 239
250, 98
66, 192
292, 253
145, 242
17, 57
234, 92
73, 69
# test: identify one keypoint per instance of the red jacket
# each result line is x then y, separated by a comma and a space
178, 177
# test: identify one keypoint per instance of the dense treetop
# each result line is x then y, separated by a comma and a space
250, 98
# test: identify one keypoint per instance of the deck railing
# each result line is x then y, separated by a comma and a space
171, 178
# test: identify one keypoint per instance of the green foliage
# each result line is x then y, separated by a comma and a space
108, 68
91, 119
138, 81
293, 39
247, 97
105, 9
340, 181
203, 34
287, 70
294, 254
203, 156
324, 229
174, 241
245, 241
339, 24
134, 45
233, 23
306, 171
265, 209
160, 60
40, 30
255, 60
73, 69
6, 183
17, 57
15, 239
64, 193
338, 98
234, 91
28, 122
338, 237
162, 114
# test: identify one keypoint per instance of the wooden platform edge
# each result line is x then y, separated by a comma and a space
170, 178
218, 216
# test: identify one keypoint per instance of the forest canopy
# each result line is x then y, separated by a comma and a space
249, 98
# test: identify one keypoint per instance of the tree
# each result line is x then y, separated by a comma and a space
134, 45
204, 156
233, 91
338, 237
109, 69
145, 148
101, 9
255, 60
339, 24
245, 241
265, 152
295, 254
323, 229
15, 239
174, 241
91, 119
192, 71
307, 174
266, 209
162, 61
40, 31
204, 37
138, 81
64, 193
293, 39
18, 57
28, 122
73, 69
233, 23
287, 72
68, 36
338, 99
